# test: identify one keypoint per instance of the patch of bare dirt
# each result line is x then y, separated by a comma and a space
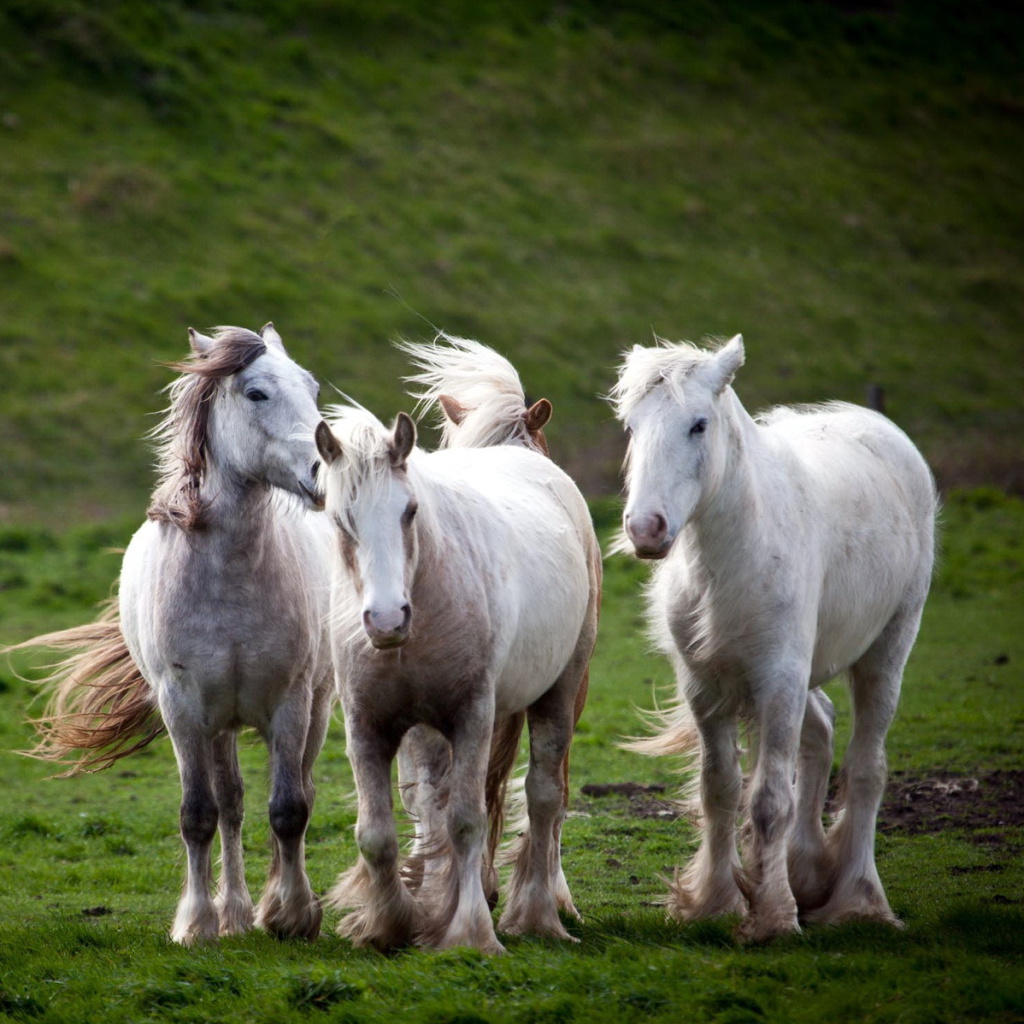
984, 804
947, 801
645, 800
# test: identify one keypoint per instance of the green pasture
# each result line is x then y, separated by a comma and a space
92, 865
840, 182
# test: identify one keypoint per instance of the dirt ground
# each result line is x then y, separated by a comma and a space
984, 805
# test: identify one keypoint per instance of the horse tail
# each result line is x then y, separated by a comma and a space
477, 393
100, 707
673, 732
504, 750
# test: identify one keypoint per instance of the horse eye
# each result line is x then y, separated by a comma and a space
255, 395
699, 427
410, 513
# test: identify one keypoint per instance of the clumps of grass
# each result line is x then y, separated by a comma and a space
19, 1007
320, 990
29, 825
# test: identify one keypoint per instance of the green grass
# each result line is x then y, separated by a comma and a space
839, 182
93, 865
840, 185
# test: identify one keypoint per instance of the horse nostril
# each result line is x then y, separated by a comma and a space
660, 524
406, 615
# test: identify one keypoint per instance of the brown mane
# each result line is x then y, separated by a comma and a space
181, 437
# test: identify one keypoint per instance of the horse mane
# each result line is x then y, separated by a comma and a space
365, 461
643, 369
180, 438
480, 380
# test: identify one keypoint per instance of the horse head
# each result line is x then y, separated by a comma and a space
668, 397
263, 418
371, 500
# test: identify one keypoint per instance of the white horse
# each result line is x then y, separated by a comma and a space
794, 547
221, 624
465, 592
480, 401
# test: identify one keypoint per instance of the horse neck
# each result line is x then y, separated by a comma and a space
237, 508
430, 561
726, 525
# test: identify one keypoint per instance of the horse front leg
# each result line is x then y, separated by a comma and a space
382, 912
780, 711
196, 919
233, 902
289, 908
708, 887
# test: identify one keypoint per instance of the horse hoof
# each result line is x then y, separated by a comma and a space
757, 928
235, 916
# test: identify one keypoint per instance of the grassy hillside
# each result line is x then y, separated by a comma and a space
842, 185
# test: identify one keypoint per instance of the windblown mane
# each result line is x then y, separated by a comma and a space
643, 369
181, 436
483, 382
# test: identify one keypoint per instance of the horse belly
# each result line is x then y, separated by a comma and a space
549, 630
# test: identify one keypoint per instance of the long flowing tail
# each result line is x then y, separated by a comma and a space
477, 392
99, 707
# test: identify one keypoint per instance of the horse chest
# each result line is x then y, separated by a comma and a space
229, 643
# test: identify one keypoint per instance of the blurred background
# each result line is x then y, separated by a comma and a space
841, 182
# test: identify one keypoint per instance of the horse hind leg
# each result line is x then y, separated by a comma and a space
289, 908
424, 759
538, 884
233, 902
809, 865
875, 687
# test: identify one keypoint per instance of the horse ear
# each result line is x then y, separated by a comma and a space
327, 443
455, 411
269, 334
537, 415
199, 343
403, 440
725, 362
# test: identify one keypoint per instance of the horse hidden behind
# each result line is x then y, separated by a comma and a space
221, 624
792, 548
465, 592
480, 401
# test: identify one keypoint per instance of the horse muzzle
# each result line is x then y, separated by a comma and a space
388, 631
649, 534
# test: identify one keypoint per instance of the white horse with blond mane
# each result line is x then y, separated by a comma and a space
465, 593
479, 400
792, 548
221, 624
